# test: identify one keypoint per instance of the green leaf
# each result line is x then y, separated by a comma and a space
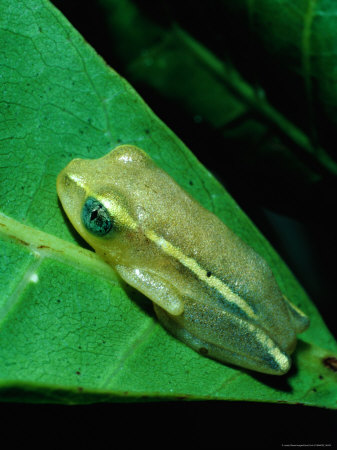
71, 331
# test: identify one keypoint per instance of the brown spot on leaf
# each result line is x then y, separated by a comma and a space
18, 240
331, 363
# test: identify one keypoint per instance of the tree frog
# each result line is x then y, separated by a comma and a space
208, 287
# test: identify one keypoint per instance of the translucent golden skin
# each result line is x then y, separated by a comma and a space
209, 288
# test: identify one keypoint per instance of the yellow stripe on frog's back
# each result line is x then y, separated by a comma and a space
201, 273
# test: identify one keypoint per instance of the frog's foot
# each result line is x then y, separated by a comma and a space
156, 288
300, 320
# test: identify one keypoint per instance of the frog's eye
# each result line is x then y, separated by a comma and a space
96, 217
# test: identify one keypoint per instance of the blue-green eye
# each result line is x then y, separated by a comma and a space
96, 217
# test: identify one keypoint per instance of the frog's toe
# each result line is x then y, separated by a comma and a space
299, 319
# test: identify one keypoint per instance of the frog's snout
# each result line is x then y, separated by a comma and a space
68, 177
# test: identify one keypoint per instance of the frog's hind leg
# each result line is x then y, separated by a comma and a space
154, 287
299, 319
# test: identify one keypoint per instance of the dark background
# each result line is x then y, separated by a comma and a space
308, 245
182, 425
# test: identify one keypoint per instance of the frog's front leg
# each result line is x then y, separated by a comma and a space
156, 288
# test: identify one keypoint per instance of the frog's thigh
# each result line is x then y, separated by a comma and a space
154, 287
300, 320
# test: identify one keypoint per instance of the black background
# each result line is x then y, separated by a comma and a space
175, 425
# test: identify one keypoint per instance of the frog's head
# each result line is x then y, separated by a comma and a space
92, 193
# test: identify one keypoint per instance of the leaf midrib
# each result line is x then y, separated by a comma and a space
44, 245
